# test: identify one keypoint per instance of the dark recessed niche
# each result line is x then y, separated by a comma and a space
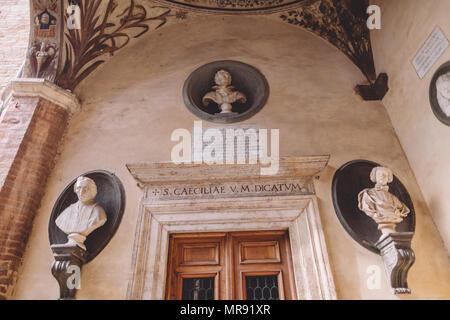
434, 100
245, 79
348, 181
111, 196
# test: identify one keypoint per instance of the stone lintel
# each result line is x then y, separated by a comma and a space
168, 173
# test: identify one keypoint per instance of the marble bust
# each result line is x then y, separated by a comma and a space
443, 92
224, 94
381, 205
83, 217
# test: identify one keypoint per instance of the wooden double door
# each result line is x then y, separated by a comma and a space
230, 266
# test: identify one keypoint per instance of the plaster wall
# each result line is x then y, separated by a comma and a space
131, 106
406, 25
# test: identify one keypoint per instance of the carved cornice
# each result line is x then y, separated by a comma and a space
43, 89
168, 172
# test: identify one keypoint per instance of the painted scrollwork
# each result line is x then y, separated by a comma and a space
102, 34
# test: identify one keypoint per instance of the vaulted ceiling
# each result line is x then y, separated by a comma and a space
66, 50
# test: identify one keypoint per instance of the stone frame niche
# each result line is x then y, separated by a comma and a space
245, 78
178, 199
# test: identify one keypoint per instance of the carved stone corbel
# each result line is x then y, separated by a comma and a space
398, 257
66, 268
374, 91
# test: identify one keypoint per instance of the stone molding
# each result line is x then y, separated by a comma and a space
298, 214
43, 89
168, 172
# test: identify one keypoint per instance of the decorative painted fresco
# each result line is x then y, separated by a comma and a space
235, 6
45, 37
105, 27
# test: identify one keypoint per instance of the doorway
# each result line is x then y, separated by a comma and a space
230, 266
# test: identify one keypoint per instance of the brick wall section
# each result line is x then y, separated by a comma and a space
14, 33
30, 132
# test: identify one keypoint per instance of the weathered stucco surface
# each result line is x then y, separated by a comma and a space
131, 106
406, 25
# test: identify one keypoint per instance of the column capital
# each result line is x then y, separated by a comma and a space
30, 87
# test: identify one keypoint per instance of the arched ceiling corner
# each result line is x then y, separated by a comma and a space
67, 53
235, 7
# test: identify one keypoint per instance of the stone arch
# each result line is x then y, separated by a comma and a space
109, 26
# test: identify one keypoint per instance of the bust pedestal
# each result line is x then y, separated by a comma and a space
66, 268
398, 257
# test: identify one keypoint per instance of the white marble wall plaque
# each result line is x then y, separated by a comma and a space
242, 147
430, 52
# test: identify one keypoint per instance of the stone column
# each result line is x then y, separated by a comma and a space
35, 115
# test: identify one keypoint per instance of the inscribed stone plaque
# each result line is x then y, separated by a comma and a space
209, 190
430, 52
239, 143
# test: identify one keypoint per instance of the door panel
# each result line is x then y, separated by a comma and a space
200, 254
262, 254
196, 256
239, 265
259, 252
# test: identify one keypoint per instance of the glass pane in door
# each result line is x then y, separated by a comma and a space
262, 287
198, 289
